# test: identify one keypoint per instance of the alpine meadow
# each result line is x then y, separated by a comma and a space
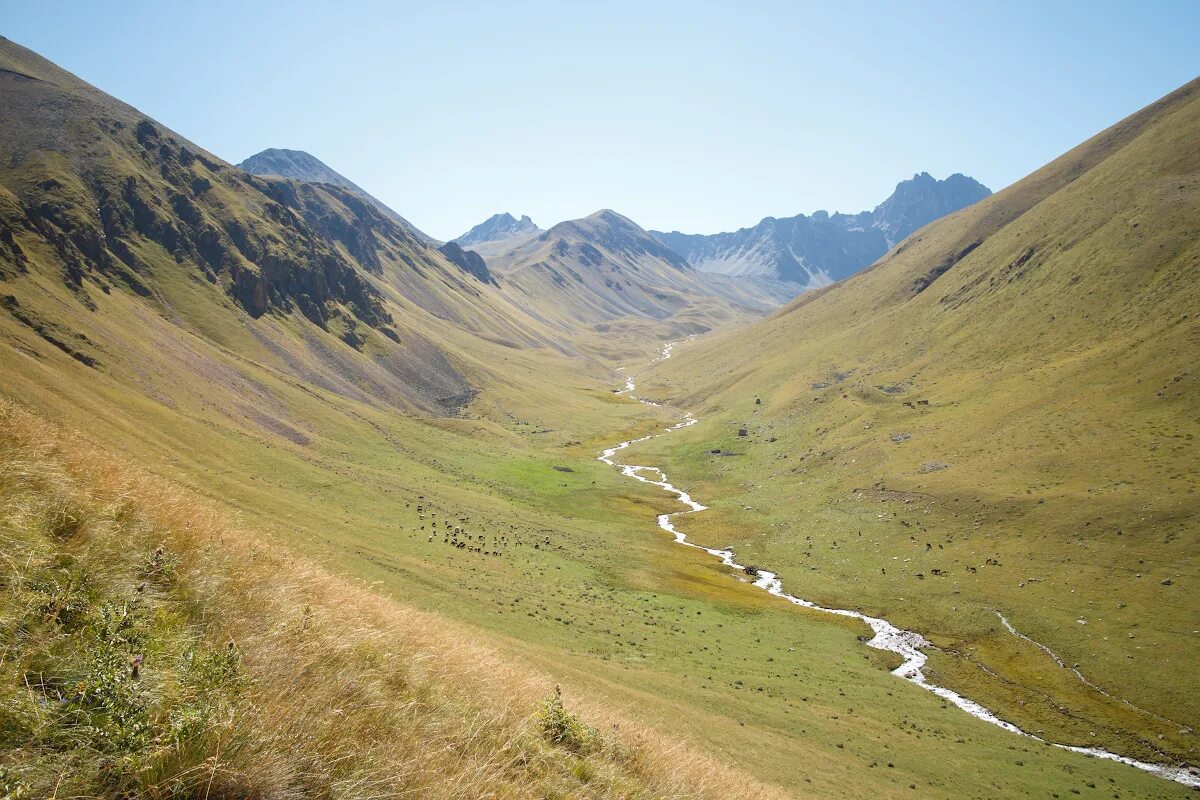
301, 500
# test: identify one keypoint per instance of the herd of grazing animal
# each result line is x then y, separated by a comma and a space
454, 533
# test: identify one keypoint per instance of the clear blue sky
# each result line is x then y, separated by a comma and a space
696, 116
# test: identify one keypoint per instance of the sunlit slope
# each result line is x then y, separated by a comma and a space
154, 650
999, 416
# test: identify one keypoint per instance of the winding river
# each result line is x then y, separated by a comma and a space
909, 645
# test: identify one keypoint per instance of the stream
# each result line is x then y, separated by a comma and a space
909, 645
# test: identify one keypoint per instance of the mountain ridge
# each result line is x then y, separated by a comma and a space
818, 249
605, 270
303, 166
139, 214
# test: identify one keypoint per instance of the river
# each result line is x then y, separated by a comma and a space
909, 645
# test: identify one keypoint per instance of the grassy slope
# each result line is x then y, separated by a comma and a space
1053, 369
606, 605
151, 650
263, 418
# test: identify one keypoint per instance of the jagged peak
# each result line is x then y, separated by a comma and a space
498, 227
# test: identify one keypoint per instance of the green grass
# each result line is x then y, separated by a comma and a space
324, 451
149, 650
1059, 389
608, 605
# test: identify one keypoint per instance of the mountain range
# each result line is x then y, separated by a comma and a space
606, 272
815, 250
297, 502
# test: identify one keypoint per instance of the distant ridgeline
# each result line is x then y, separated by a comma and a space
813, 251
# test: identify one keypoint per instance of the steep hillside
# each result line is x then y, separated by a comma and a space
103, 210
814, 251
498, 228
998, 418
302, 166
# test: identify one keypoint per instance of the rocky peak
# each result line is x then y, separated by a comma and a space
922, 199
497, 228
813, 251
301, 166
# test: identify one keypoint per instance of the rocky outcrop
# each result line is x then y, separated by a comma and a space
285, 260
468, 261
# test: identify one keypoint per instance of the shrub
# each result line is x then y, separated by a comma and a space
563, 728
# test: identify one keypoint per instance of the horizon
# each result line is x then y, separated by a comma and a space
564, 153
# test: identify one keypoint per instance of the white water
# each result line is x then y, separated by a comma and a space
907, 644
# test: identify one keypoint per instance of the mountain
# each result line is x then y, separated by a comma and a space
814, 251
107, 216
997, 418
917, 202
497, 228
185, 348
294, 504
301, 166
605, 269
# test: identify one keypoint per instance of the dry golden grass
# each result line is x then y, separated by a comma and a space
327, 689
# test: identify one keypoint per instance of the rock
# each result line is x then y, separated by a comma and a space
934, 466
901, 437
1167, 582
743, 432
468, 261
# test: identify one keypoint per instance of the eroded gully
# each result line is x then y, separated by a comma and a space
909, 645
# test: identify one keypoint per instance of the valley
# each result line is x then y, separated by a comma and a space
908, 645
299, 500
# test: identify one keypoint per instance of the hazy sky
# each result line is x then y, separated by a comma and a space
693, 116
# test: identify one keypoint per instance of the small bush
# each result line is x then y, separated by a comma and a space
563, 728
